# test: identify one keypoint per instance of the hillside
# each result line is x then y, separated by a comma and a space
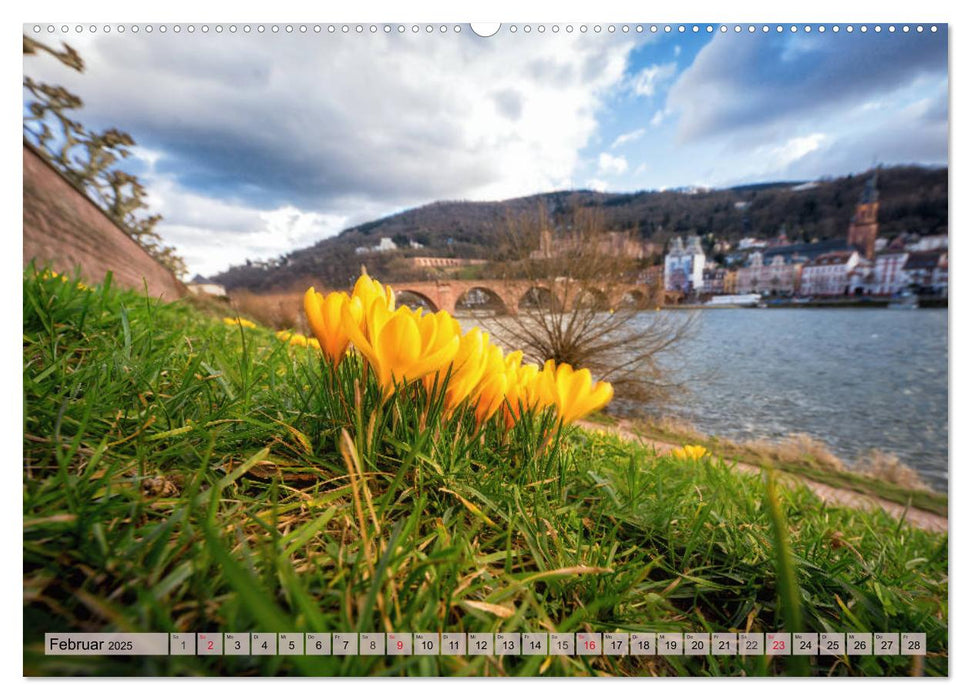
913, 199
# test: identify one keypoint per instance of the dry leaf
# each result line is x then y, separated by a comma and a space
497, 610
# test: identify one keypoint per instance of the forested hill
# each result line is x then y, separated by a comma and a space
912, 199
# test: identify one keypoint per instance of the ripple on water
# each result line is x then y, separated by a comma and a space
864, 379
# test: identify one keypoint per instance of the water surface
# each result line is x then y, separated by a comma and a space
855, 378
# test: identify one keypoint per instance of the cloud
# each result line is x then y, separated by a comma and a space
628, 137
776, 158
745, 82
799, 106
646, 82
611, 165
597, 185
211, 233
340, 126
658, 118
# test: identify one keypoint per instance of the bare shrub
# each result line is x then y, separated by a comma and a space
888, 467
581, 302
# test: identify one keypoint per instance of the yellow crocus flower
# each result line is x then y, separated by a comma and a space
490, 393
403, 345
691, 453
325, 315
573, 392
522, 394
467, 369
370, 290
293, 338
237, 321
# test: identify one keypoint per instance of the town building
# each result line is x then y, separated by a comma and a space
923, 244
829, 274
614, 244
684, 265
385, 245
861, 278
778, 270
769, 275
730, 282
927, 272
889, 275
750, 243
713, 279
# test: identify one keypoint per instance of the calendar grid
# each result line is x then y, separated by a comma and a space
586, 644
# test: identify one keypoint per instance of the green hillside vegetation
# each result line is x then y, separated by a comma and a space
912, 199
183, 474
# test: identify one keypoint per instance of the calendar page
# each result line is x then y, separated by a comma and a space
525, 349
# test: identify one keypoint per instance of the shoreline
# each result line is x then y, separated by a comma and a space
797, 455
932, 516
822, 304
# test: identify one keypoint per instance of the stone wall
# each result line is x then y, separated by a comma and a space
65, 229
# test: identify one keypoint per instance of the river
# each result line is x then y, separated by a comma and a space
854, 378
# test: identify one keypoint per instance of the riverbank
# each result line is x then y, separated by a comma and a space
896, 488
836, 486
835, 303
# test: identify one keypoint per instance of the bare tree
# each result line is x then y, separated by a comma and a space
584, 300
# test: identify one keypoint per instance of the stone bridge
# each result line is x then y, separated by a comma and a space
510, 296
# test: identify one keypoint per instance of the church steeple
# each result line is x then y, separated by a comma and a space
870, 192
862, 233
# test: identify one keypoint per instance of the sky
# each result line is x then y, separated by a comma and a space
253, 145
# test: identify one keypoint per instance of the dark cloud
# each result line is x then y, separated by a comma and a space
745, 82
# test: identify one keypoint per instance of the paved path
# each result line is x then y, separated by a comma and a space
826, 493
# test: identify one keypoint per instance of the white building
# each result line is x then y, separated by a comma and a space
829, 274
889, 276
749, 243
926, 244
684, 265
927, 272
385, 245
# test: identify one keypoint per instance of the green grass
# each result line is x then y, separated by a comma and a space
184, 475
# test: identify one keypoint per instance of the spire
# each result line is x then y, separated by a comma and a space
870, 192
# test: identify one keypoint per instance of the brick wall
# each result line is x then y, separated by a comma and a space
64, 229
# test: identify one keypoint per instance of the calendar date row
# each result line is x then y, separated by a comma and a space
490, 644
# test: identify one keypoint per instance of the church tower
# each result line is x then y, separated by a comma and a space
862, 234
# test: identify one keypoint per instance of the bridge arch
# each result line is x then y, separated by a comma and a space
633, 299
414, 299
591, 298
481, 298
537, 298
